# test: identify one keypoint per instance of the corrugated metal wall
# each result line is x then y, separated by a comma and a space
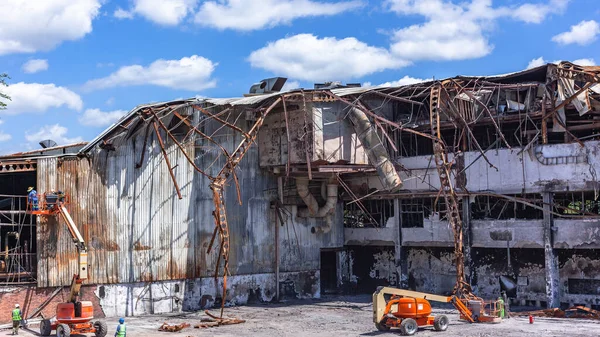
137, 229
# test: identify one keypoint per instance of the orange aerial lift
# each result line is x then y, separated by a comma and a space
410, 310
72, 317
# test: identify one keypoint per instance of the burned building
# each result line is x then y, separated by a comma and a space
306, 192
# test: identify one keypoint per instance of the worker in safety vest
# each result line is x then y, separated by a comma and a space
500, 307
121, 328
16, 318
32, 198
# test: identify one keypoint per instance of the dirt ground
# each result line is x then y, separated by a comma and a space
337, 316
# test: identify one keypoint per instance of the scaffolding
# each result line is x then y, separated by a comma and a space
18, 260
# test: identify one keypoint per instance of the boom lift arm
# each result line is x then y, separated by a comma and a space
82, 253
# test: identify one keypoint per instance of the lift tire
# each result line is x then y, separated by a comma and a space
408, 327
63, 330
382, 327
45, 327
101, 329
440, 323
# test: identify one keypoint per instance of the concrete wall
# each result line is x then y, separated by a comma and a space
560, 167
519, 233
135, 299
434, 233
577, 234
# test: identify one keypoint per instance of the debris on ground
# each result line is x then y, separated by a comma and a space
173, 327
572, 312
215, 321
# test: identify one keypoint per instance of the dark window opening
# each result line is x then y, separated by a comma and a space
577, 203
368, 213
498, 208
584, 287
415, 211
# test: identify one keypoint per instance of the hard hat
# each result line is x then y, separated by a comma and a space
29, 189
121, 320
17, 305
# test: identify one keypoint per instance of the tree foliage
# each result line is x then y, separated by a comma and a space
3, 97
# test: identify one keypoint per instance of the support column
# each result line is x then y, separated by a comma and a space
401, 256
467, 240
551, 260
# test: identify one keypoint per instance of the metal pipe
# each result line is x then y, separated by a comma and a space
375, 149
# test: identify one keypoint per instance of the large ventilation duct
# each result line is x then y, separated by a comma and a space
376, 151
314, 211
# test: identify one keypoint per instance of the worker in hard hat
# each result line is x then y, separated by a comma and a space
16, 318
121, 328
32, 198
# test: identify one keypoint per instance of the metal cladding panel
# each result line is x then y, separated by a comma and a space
136, 228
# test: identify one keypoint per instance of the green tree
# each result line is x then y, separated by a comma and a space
3, 96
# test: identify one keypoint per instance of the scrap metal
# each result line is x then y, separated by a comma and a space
214, 321
173, 327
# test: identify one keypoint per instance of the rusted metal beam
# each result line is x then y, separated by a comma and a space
41, 307
186, 122
190, 160
164, 152
306, 130
139, 164
569, 99
220, 120
476, 100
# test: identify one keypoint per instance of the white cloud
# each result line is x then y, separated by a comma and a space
323, 59
290, 85
98, 118
189, 73
252, 14
406, 80
457, 31
34, 66
54, 132
162, 12
536, 62
540, 62
36, 97
585, 62
582, 34
535, 13
120, 13
27, 27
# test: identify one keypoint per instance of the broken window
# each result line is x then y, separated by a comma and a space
498, 208
577, 203
368, 213
415, 211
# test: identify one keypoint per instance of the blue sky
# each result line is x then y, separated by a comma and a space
77, 66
